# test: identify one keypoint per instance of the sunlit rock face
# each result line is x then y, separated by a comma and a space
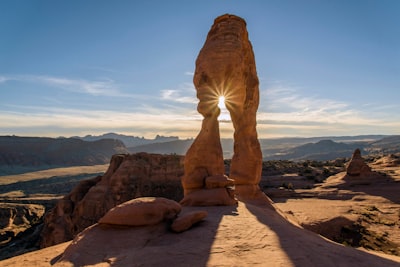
225, 67
357, 165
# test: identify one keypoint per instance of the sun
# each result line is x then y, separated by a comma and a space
221, 102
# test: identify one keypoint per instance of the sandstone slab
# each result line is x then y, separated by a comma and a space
142, 211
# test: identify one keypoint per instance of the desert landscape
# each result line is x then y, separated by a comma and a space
361, 213
290, 158
200, 208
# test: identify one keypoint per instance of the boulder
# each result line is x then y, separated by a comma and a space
184, 222
142, 211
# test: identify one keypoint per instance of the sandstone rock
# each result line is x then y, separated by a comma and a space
184, 222
225, 67
142, 211
357, 166
209, 197
128, 177
218, 181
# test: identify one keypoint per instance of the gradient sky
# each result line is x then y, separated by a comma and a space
90, 67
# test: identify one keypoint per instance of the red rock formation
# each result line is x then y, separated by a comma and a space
128, 177
357, 166
184, 222
225, 67
142, 211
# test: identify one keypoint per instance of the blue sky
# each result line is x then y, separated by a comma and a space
90, 67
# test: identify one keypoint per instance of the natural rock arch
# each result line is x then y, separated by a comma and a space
225, 67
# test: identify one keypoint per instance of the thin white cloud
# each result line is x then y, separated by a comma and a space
105, 87
83, 121
189, 73
185, 94
3, 79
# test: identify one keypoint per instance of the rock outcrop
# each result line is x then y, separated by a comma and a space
184, 222
17, 218
142, 211
128, 177
225, 67
357, 165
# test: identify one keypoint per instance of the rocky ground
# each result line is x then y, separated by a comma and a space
358, 212
25, 198
318, 196
251, 233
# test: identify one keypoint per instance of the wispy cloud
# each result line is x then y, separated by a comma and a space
185, 94
286, 109
86, 122
189, 73
105, 87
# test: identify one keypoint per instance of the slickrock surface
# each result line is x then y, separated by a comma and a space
128, 177
252, 233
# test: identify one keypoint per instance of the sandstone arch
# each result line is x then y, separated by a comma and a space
225, 67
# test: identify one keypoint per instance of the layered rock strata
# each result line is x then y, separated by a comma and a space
225, 67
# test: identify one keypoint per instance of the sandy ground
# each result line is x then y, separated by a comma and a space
68, 171
252, 233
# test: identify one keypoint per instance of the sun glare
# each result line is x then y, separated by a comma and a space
221, 102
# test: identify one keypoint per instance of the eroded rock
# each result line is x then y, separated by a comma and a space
184, 222
128, 177
142, 211
357, 165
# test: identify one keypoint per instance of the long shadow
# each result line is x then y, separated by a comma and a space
57, 185
147, 246
305, 248
375, 185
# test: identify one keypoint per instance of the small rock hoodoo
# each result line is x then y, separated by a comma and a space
225, 67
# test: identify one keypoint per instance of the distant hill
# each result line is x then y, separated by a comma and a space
387, 145
178, 147
129, 141
21, 154
321, 150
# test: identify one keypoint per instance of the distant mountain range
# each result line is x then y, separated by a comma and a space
22, 154
129, 141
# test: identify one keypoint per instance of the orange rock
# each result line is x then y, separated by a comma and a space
184, 222
357, 165
128, 177
218, 181
209, 197
142, 211
225, 67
